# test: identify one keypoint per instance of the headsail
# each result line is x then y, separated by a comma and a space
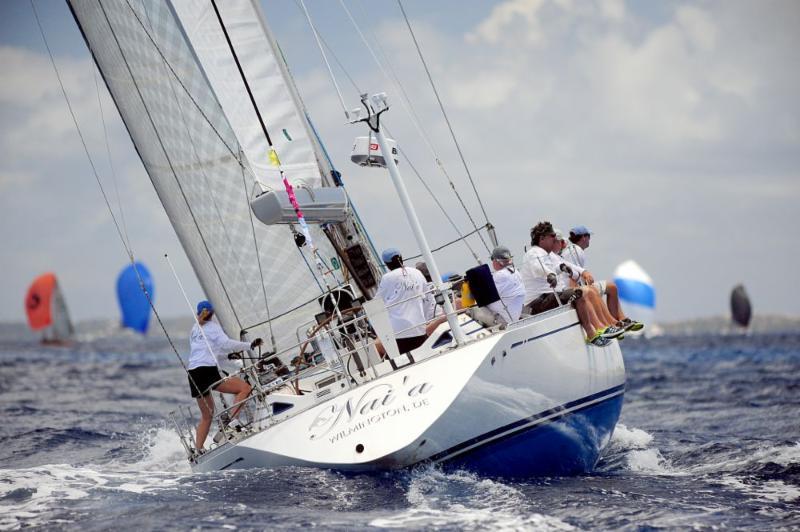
47, 310
252, 273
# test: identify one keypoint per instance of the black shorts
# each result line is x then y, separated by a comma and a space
404, 345
548, 301
203, 377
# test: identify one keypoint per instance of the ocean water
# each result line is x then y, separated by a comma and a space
709, 438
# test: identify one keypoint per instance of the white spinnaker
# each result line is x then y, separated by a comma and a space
194, 160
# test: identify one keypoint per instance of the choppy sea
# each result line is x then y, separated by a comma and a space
709, 438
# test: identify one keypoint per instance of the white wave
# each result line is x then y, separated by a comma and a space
769, 491
782, 455
162, 451
625, 438
649, 461
40, 489
634, 446
43, 488
466, 502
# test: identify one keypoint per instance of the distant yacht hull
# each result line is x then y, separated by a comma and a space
531, 400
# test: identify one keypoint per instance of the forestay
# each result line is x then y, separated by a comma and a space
198, 166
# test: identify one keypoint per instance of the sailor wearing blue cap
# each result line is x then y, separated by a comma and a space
208, 342
402, 289
579, 237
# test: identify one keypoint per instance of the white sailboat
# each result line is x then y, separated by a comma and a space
221, 129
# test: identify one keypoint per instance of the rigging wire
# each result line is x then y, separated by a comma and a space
128, 249
327, 64
444, 113
414, 119
110, 159
408, 107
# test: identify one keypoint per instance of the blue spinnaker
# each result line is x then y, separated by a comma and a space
133, 303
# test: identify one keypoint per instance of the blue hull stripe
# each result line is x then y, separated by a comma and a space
510, 428
521, 342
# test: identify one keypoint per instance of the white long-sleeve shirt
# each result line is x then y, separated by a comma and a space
217, 339
512, 293
563, 277
575, 254
534, 270
407, 318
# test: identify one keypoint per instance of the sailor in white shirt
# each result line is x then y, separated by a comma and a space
208, 342
568, 274
580, 238
541, 279
402, 289
509, 285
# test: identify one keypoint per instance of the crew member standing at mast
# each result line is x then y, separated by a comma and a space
208, 336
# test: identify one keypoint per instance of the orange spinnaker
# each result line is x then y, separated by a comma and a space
37, 301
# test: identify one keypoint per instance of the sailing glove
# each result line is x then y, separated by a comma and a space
255, 343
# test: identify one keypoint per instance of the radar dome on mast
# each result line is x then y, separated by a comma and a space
367, 152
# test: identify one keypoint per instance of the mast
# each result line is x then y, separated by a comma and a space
378, 106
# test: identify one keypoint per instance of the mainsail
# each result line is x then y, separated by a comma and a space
201, 167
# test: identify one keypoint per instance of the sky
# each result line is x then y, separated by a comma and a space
670, 129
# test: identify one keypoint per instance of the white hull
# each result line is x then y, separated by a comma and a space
519, 395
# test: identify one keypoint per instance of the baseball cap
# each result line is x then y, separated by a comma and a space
560, 234
204, 305
389, 254
580, 230
501, 252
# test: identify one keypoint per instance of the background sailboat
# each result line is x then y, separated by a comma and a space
741, 310
133, 303
637, 293
47, 310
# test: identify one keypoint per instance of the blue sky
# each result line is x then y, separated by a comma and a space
672, 129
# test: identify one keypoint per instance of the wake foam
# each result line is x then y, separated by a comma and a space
161, 450
30, 496
630, 450
466, 502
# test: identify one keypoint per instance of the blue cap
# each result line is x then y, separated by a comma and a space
204, 305
580, 230
448, 275
389, 254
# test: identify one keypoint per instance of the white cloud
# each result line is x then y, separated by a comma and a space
519, 14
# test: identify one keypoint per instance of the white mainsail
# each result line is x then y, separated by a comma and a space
202, 174
277, 102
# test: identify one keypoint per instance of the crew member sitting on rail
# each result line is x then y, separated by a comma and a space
540, 281
571, 275
579, 239
208, 342
509, 285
